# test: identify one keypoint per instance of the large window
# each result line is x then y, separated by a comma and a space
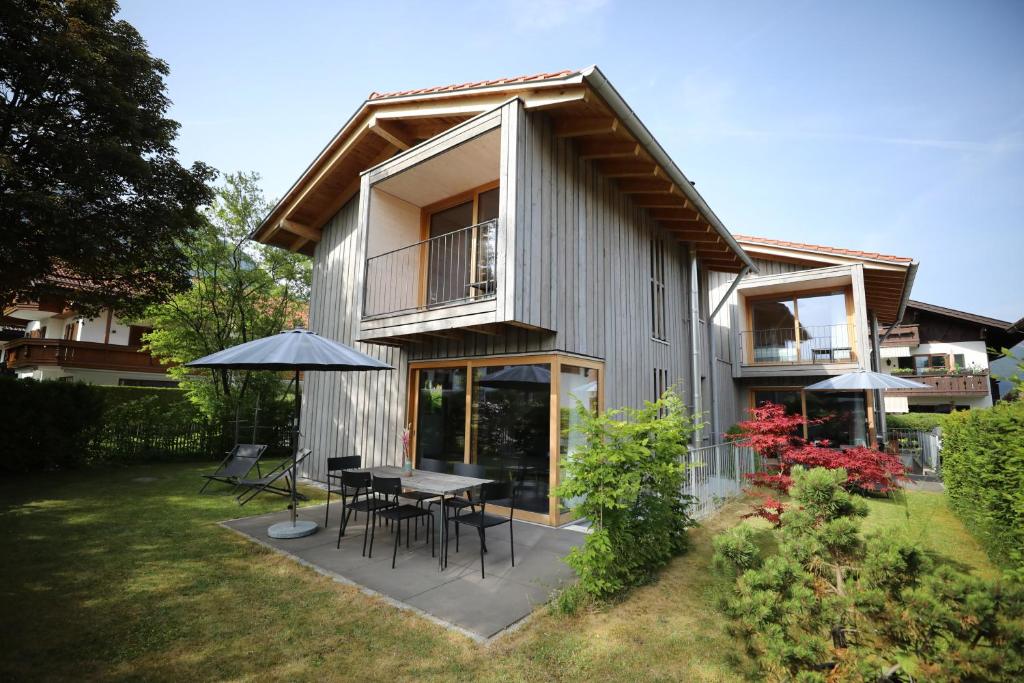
659, 325
935, 363
460, 257
812, 328
847, 412
441, 414
499, 413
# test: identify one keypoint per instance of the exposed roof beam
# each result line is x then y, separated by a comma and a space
298, 244
627, 169
646, 185
692, 236
660, 201
296, 228
390, 132
576, 127
608, 149
677, 213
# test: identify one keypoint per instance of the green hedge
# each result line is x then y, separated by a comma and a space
983, 469
58, 425
919, 421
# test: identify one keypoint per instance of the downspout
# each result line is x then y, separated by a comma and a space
877, 355
694, 312
716, 427
876, 365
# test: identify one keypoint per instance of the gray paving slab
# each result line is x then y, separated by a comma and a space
456, 597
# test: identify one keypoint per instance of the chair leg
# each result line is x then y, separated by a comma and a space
480, 532
408, 523
431, 530
205, 485
398, 536
511, 542
372, 528
327, 510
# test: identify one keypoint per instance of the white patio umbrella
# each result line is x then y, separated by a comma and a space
864, 380
294, 350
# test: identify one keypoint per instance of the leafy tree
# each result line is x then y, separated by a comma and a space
627, 478
241, 290
89, 184
829, 605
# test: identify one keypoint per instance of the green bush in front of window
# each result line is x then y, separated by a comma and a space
628, 478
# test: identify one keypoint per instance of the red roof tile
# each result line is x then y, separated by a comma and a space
853, 253
514, 80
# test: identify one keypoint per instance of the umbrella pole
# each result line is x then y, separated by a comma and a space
295, 443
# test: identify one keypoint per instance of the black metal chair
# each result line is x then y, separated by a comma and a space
356, 485
334, 468
459, 503
268, 483
497, 493
388, 490
429, 465
237, 465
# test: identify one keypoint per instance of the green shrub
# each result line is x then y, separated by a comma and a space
628, 476
735, 550
918, 421
60, 425
829, 605
983, 469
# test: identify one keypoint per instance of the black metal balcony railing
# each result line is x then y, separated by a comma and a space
456, 267
816, 344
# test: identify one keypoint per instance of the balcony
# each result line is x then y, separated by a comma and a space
947, 384
448, 270
23, 353
903, 335
818, 344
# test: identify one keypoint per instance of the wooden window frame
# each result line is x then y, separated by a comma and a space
471, 195
659, 317
554, 517
794, 296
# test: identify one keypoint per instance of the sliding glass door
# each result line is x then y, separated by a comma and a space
512, 415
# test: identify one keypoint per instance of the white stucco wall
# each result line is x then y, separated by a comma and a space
974, 355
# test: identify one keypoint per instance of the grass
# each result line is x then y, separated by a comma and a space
124, 575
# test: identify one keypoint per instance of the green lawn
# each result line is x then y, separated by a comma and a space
124, 575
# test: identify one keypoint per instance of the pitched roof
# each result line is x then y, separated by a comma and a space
963, 315
852, 253
474, 85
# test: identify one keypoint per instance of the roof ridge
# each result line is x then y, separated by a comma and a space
824, 248
470, 85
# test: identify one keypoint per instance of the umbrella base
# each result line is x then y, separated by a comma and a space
288, 530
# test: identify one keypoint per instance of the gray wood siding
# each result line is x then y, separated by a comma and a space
349, 413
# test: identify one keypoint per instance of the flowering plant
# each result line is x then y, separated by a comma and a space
406, 438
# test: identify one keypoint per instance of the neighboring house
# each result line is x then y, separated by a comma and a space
60, 344
949, 351
810, 312
514, 247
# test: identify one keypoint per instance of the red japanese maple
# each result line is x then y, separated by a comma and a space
768, 509
771, 432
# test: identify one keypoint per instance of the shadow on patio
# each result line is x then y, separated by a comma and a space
457, 597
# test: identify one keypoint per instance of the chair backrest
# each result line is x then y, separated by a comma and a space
498, 493
387, 486
249, 451
243, 458
355, 480
348, 462
467, 470
432, 465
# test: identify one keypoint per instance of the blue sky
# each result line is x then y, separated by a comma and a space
885, 126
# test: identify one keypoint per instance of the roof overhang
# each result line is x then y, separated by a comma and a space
887, 282
582, 104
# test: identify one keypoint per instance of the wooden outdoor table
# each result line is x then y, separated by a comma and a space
441, 484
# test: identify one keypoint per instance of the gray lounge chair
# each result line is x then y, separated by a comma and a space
268, 483
239, 462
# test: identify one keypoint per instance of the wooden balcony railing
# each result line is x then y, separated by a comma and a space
954, 385
903, 335
22, 353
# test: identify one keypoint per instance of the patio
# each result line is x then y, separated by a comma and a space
457, 597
